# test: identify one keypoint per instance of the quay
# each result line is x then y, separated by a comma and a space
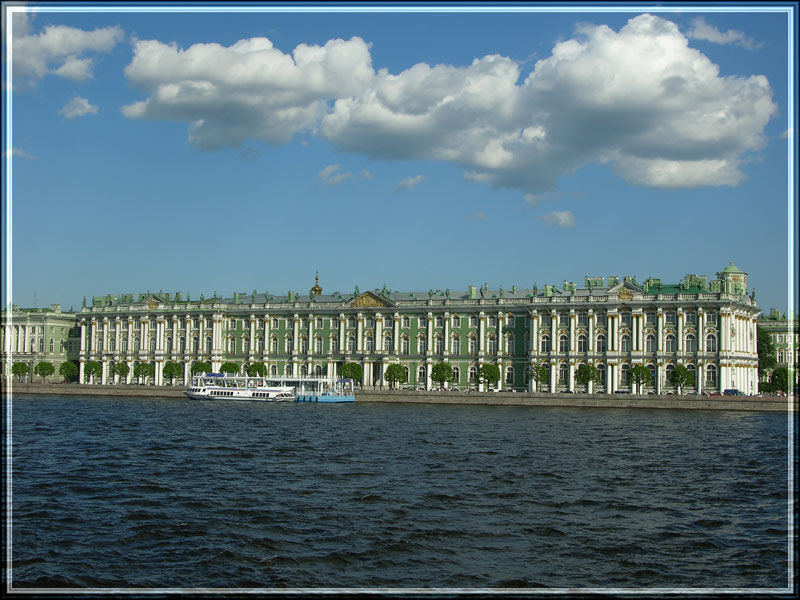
576, 400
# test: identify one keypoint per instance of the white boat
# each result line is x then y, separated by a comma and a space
217, 386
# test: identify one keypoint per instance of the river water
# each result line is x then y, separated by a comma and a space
125, 493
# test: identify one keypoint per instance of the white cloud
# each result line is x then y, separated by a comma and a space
330, 176
58, 50
703, 31
249, 90
478, 216
640, 100
559, 218
18, 152
365, 174
78, 107
409, 183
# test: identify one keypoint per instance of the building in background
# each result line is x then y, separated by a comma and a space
34, 335
785, 335
614, 324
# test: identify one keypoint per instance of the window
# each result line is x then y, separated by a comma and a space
334, 344
169, 345
545, 344
510, 375
421, 374
370, 322
152, 343
670, 318
370, 344
563, 319
273, 371
318, 345
711, 317
387, 343
422, 345
125, 344
351, 322
547, 320
492, 345
439, 322
318, 323
473, 345
273, 345
421, 322
231, 324
456, 345
669, 343
652, 381
711, 375
563, 373
583, 318
601, 343
245, 345
208, 323
304, 345
405, 346
208, 345
351, 343
691, 318
288, 370
691, 343
456, 321
406, 322
456, 375
650, 343
563, 344
650, 318
52, 345
583, 343
260, 346
318, 370
626, 319
492, 321
334, 322
388, 322
625, 343
438, 346
601, 370
510, 344
510, 321
473, 373
625, 375
41, 344
289, 345
602, 320
473, 321
275, 323
303, 371
711, 344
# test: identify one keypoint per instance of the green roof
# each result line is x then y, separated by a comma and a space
731, 268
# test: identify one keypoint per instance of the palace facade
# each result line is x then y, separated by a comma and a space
614, 324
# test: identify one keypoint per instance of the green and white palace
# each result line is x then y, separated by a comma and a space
613, 324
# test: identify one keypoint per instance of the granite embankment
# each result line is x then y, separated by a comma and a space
578, 400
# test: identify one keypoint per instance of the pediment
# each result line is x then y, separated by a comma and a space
625, 290
368, 299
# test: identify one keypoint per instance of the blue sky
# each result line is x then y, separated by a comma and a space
203, 152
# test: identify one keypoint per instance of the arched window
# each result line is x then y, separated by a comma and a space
421, 374
260, 345
369, 344
711, 343
653, 371
601, 343
438, 345
245, 344
650, 343
169, 344
473, 345
273, 371
624, 373
288, 371
510, 375
669, 343
492, 345
351, 343
125, 345
693, 371
289, 344
387, 343
563, 344
711, 375
136, 344
52, 345
318, 371
510, 349
473, 373
583, 343
456, 375
231, 345
691, 343
668, 372
405, 345
304, 345
303, 371
208, 345
334, 344
563, 374
152, 343
545, 345
625, 343
601, 371
422, 345
456, 345
318, 344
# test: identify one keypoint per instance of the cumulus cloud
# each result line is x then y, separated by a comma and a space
58, 50
639, 100
18, 152
559, 218
703, 31
409, 183
78, 107
249, 90
330, 176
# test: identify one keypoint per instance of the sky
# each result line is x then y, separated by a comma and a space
214, 149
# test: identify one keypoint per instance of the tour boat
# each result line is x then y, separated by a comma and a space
216, 386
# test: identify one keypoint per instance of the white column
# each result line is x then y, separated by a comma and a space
359, 334
534, 337
267, 325
591, 340
553, 376
571, 376
379, 333
295, 342
396, 339
252, 353
679, 331
481, 333
446, 334
342, 338
553, 331
572, 346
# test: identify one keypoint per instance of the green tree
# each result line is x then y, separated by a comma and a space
92, 368
258, 369
680, 377
19, 369
489, 374
69, 370
143, 370
352, 371
766, 352
639, 375
395, 374
586, 374
121, 369
229, 367
441, 372
172, 370
780, 380
201, 367
540, 374
44, 369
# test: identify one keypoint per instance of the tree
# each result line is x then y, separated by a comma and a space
766, 352
122, 369
539, 373
19, 370
780, 380
229, 367
442, 372
395, 374
680, 377
92, 368
44, 369
352, 371
639, 374
587, 373
68, 370
143, 370
201, 367
172, 370
257, 370
489, 374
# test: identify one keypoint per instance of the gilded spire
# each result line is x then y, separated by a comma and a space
316, 290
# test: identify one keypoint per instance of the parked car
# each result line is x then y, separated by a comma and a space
622, 392
733, 392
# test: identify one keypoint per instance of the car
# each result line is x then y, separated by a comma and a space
733, 392
622, 392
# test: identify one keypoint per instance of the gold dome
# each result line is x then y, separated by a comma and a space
316, 290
